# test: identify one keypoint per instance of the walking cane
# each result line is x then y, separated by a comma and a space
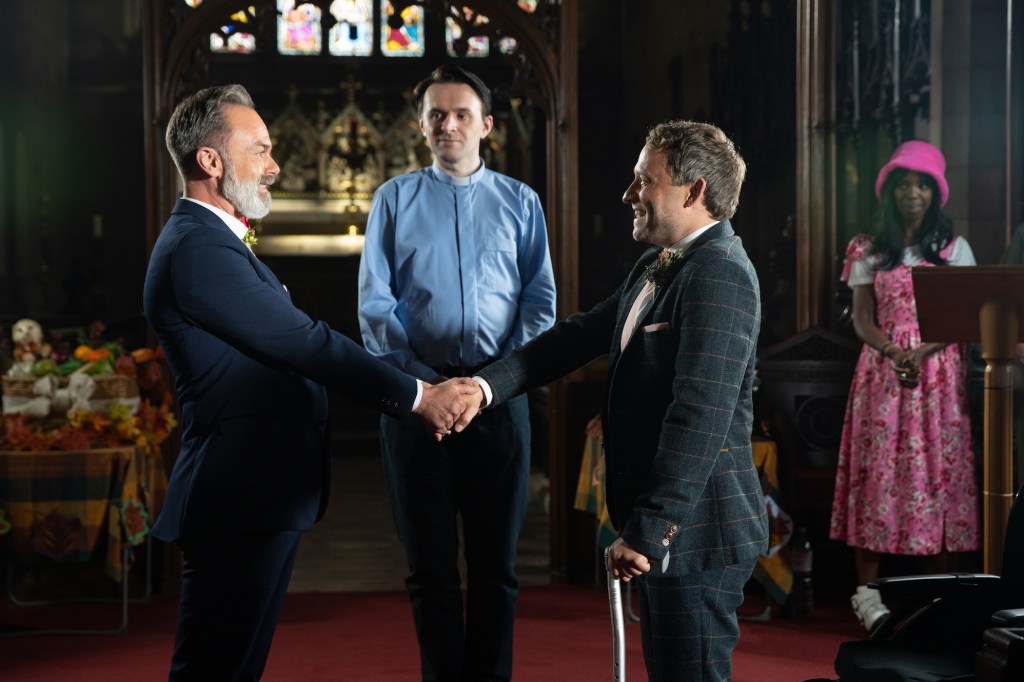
618, 631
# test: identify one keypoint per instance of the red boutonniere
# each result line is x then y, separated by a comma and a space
658, 272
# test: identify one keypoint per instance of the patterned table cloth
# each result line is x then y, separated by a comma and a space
68, 505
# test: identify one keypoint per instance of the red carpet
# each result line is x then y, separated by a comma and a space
562, 633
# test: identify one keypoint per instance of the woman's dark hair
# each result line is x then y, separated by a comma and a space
935, 233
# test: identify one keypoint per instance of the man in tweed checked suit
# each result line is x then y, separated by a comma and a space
682, 488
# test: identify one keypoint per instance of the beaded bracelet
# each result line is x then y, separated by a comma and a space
889, 345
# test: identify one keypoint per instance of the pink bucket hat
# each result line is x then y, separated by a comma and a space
920, 157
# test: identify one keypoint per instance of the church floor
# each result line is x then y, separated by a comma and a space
354, 547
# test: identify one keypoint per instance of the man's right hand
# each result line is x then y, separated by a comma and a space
441, 405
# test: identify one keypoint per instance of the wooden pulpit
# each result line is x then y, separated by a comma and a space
982, 303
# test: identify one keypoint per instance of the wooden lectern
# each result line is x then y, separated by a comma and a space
982, 303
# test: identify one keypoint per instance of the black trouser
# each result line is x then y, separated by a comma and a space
482, 475
232, 591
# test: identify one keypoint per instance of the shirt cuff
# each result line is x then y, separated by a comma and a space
486, 388
419, 394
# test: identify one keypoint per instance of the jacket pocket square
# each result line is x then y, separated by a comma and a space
656, 327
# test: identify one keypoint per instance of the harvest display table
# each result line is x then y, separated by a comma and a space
61, 506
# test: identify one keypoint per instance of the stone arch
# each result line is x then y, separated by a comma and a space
546, 75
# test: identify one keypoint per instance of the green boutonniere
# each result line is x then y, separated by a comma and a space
657, 273
250, 237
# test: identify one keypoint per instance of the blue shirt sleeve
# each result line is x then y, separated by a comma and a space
537, 298
382, 331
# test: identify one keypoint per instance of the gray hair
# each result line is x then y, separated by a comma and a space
198, 121
701, 150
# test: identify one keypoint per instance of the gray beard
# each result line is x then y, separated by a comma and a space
244, 196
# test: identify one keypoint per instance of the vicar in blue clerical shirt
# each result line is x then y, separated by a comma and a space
456, 273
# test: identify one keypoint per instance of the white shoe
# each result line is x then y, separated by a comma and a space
867, 604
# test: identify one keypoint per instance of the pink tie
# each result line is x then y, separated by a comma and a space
640, 305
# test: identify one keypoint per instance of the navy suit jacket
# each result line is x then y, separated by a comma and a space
249, 369
678, 415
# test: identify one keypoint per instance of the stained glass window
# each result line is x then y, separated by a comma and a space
353, 32
233, 37
402, 32
477, 46
298, 28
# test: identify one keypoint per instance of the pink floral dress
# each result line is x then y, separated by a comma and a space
905, 482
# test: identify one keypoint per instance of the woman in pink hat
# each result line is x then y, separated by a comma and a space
905, 482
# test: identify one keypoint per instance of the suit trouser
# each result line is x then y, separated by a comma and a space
688, 622
232, 591
481, 475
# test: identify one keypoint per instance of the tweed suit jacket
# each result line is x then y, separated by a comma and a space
678, 415
249, 370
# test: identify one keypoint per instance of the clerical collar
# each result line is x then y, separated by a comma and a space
443, 176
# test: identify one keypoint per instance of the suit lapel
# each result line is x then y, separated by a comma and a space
627, 301
212, 220
718, 231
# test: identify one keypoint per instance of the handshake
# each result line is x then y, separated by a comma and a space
450, 405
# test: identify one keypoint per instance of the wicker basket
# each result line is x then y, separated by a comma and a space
108, 386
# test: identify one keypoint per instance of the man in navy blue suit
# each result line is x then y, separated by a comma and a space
250, 370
